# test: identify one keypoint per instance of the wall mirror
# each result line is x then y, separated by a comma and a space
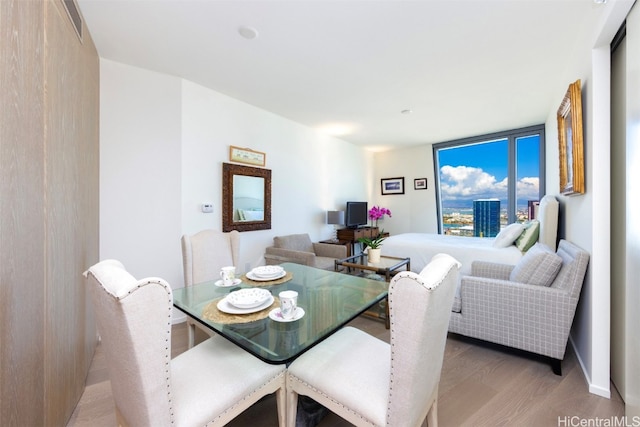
246, 198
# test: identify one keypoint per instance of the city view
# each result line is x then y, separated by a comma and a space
459, 220
474, 180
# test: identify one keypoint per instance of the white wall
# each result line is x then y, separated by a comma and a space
415, 210
311, 173
140, 170
163, 142
632, 353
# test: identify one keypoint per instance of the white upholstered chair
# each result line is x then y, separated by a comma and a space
371, 383
203, 255
210, 383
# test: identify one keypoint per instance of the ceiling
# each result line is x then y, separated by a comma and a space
462, 67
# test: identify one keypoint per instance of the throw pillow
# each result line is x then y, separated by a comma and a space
529, 236
508, 235
539, 266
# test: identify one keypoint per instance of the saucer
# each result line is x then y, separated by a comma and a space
222, 285
275, 315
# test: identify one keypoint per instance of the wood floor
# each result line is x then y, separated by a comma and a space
481, 385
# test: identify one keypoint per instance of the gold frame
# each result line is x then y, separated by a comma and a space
247, 156
571, 144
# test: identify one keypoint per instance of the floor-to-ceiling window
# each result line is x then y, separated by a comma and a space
477, 175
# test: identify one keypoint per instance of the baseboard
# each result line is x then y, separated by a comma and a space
593, 389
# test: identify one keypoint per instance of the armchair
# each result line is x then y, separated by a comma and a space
299, 249
497, 303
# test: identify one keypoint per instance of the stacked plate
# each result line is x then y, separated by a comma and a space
247, 300
266, 273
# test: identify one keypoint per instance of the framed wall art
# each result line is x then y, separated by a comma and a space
420, 184
246, 156
570, 139
392, 185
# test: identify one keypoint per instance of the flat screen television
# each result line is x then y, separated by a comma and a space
356, 214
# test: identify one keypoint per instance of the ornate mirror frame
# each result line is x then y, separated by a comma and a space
570, 141
228, 221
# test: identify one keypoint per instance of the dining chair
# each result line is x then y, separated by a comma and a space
209, 384
203, 255
369, 382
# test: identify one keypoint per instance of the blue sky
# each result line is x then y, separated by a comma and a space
480, 171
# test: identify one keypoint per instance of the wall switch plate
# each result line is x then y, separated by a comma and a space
207, 207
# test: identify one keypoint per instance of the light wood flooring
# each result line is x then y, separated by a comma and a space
481, 385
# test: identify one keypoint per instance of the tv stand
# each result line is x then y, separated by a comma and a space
353, 234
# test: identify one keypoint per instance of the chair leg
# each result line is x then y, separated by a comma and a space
281, 402
556, 366
191, 333
432, 415
387, 320
291, 406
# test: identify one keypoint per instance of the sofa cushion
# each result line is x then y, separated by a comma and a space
295, 242
539, 266
508, 235
529, 236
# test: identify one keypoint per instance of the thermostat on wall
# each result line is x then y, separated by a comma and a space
207, 208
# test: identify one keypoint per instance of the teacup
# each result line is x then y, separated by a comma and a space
228, 274
288, 304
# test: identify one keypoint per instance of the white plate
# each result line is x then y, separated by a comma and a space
267, 271
252, 276
225, 307
221, 283
275, 315
248, 297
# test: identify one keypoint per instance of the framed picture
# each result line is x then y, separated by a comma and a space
392, 185
570, 141
420, 184
247, 156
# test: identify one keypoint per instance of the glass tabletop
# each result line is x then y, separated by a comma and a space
329, 300
386, 262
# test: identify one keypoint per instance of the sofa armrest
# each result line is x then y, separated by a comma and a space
491, 270
528, 317
274, 255
330, 251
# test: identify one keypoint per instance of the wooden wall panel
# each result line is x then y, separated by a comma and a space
21, 213
71, 168
49, 212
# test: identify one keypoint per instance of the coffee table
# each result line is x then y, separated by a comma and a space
387, 267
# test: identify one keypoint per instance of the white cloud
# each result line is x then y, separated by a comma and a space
468, 183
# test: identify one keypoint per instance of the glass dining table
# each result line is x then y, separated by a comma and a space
328, 301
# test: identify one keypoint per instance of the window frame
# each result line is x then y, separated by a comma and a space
511, 136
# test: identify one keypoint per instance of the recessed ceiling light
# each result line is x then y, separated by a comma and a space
407, 111
248, 33
599, 1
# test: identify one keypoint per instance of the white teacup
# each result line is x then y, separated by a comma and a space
228, 274
288, 304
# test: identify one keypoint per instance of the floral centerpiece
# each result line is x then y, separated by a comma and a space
376, 213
